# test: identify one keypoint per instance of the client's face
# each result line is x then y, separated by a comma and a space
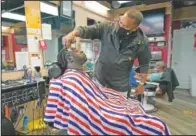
159, 68
79, 56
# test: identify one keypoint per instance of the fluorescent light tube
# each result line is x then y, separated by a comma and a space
13, 16
46, 8
49, 9
121, 2
96, 5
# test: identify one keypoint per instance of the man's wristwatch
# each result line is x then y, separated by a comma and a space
140, 83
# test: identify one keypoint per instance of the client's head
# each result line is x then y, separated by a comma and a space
160, 65
73, 58
67, 59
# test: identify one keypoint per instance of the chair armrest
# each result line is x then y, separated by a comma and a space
161, 81
150, 83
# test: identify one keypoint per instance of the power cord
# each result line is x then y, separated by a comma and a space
40, 103
33, 116
14, 114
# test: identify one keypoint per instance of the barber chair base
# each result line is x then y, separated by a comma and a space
148, 107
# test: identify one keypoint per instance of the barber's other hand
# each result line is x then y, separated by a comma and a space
139, 89
68, 39
138, 76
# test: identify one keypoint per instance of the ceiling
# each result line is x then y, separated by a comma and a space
18, 7
176, 3
12, 4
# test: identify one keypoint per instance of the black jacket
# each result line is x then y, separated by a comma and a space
117, 56
169, 82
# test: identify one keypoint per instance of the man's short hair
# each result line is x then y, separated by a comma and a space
161, 64
135, 14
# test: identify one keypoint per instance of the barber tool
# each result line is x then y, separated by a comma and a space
25, 72
30, 78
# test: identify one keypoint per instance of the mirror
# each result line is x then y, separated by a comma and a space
14, 38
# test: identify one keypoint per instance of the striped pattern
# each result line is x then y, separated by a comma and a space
76, 104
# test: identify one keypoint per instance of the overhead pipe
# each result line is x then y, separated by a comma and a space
13, 9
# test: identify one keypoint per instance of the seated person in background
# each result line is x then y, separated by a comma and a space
76, 104
133, 76
158, 72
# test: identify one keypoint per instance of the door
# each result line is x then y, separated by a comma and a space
184, 56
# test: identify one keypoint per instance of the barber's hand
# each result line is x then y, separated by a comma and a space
139, 89
68, 39
137, 76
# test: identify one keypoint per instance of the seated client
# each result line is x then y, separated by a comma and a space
76, 104
157, 74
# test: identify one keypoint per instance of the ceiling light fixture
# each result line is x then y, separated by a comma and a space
122, 2
96, 5
49, 9
45, 8
14, 16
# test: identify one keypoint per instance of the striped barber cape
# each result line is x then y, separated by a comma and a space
76, 104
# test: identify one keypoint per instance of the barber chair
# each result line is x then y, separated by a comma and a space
165, 87
150, 91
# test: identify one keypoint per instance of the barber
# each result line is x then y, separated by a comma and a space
122, 43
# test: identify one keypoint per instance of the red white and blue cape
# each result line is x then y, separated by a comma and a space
77, 105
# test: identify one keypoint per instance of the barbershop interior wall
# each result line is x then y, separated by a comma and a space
179, 15
16, 47
186, 13
82, 14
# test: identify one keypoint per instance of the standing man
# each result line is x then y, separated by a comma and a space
122, 43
